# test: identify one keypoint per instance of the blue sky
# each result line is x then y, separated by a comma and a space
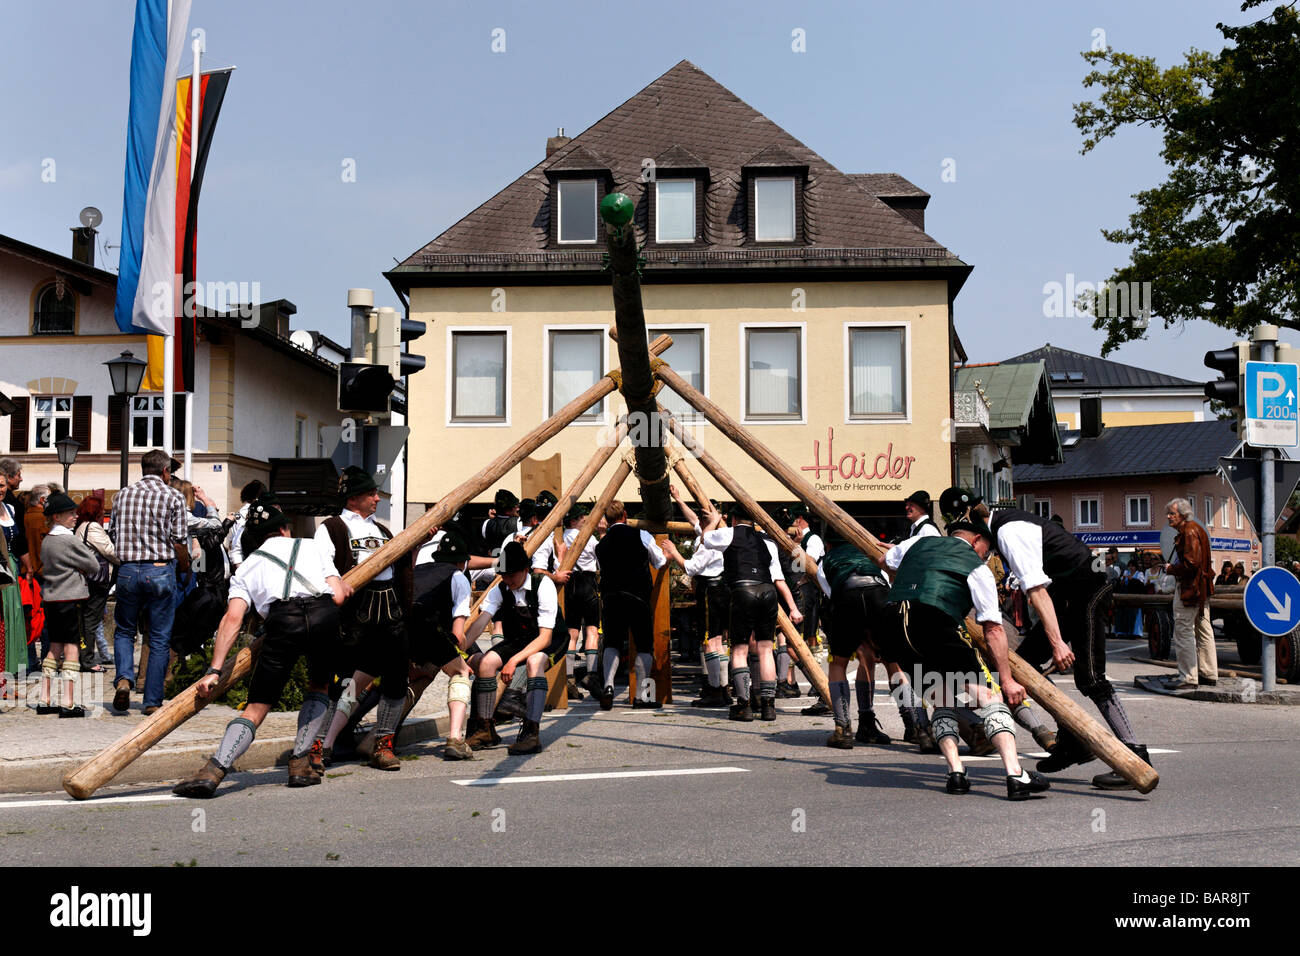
436, 123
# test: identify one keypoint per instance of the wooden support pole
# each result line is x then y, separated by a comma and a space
655, 527
807, 661
1094, 735
107, 764
693, 487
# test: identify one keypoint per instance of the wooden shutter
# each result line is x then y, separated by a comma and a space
81, 406
18, 426
178, 420
116, 405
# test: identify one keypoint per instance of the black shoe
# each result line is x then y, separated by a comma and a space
1068, 752
513, 706
47, 709
77, 711
768, 711
871, 732
958, 782
639, 704
712, 697
1202, 682
741, 711
787, 691
606, 698
819, 709
1016, 790
1113, 781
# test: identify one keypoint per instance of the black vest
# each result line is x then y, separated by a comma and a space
497, 530
624, 563
746, 558
917, 528
433, 592
782, 557
1063, 553
519, 625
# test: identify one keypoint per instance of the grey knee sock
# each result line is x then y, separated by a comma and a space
239, 737
311, 720
570, 662
520, 681
711, 668
1026, 716
390, 712
485, 696
866, 692
840, 702
1112, 711
767, 689
740, 681
782, 662
905, 696
536, 698
724, 666
591, 660
643, 664
610, 668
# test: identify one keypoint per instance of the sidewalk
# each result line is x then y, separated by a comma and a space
36, 752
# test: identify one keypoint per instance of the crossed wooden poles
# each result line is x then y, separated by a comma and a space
99, 770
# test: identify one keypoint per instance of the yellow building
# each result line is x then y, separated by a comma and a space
808, 302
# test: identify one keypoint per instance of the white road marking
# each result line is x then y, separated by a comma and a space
95, 802
1120, 650
561, 777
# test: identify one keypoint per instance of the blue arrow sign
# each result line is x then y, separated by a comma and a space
1272, 599
1272, 398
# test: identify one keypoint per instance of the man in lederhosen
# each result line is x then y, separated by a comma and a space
712, 601
374, 621
296, 590
581, 600
438, 614
525, 610
625, 556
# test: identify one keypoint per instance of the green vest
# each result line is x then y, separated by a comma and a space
843, 561
934, 572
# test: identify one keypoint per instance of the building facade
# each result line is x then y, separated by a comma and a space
810, 304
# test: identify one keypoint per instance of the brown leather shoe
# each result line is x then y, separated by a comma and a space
384, 758
483, 734
122, 699
316, 759
203, 784
841, 738
457, 749
300, 772
529, 740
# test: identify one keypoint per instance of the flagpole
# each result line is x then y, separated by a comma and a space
169, 328
196, 85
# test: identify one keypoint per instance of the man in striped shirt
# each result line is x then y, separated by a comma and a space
149, 531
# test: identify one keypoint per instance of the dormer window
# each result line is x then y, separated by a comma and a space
774, 209
675, 210
577, 210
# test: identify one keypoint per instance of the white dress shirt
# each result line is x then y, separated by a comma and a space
260, 582
548, 600
364, 537
720, 539
1021, 545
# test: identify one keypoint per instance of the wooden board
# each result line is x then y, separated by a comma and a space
540, 474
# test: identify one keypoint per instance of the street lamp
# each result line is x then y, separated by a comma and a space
67, 448
126, 372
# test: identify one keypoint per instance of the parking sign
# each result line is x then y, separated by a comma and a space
1271, 389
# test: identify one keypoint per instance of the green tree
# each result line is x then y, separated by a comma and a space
1219, 239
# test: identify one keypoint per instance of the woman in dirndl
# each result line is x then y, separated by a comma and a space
13, 632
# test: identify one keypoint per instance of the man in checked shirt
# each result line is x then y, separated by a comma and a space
149, 532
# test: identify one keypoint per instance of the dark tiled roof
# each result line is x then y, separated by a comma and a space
693, 120
1182, 448
1097, 372
890, 185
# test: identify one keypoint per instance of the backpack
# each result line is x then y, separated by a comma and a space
107, 572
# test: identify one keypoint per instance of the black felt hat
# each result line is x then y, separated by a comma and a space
504, 500
58, 503
265, 514
355, 481
451, 549
513, 558
548, 498
956, 502
919, 498
979, 527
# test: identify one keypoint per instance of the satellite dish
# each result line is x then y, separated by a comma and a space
303, 339
91, 217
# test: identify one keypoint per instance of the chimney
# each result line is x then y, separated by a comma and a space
1090, 416
83, 245
557, 141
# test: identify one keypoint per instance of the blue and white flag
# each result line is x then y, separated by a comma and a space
146, 270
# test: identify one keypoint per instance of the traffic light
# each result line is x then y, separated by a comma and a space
392, 330
1232, 364
364, 387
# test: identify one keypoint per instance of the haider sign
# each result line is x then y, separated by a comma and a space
850, 472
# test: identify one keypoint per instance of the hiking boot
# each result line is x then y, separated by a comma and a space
768, 708
122, 699
482, 734
925, 742
457, 749
1016, 790
1044, 738
841, 738
787, 691
203, 784
959, 783
529, 740
755, 702
1112, 780
712, 697
573, 691
300, 772
513, 706
819, 709
316, 758
740, 711
606, 698
870, 732
384, 758
1067, 752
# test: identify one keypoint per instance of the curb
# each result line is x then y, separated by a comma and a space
45, 774
1217, 695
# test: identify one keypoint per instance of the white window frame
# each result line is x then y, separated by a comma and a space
450, 375
130, 429
1209, 511
1078, 517
602, 414
794, 207
1223, 515
803, 373
301, 435
53, 416
559, 211
1043, 508
1241, 524
695, 419
1128, 511
906, 418
320, 440
694, 184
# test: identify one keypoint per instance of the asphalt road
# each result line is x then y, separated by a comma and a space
716, 792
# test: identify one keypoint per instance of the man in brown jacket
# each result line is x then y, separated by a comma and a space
1193, 636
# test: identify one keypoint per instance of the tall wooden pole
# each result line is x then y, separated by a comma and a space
104, 766
1098, 738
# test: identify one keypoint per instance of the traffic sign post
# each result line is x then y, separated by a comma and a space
1272, 601
1244, 476
1271, 389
